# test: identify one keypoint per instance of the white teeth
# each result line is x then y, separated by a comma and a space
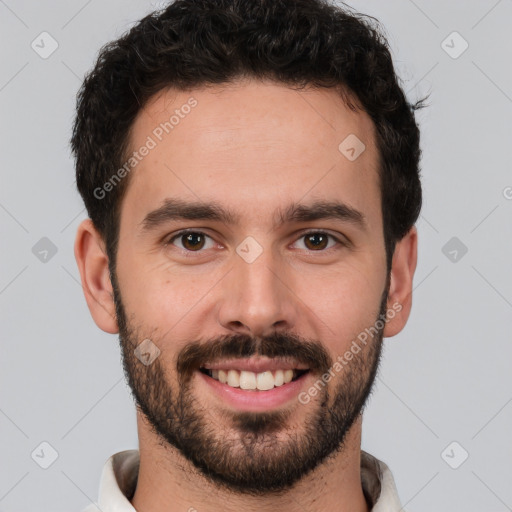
262, 381
233, 378
279, 378
247, 380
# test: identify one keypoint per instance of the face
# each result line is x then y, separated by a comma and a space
251, 251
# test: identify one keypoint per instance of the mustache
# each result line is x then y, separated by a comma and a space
277, 345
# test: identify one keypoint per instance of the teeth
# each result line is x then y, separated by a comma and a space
264, 381
233, 378
253, 381
279, 378
247, 380
288, 376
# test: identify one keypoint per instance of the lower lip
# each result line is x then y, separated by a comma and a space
254, 400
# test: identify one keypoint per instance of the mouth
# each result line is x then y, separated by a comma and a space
254, 381
254, 384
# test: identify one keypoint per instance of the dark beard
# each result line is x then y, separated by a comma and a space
251, 452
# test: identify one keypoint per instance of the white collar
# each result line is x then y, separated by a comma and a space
120, 472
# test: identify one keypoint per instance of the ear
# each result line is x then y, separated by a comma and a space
403, 266
92, 263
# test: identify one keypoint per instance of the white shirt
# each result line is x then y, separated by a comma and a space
119, 479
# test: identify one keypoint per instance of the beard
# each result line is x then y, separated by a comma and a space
254, 453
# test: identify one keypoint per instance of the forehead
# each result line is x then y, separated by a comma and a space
252, 145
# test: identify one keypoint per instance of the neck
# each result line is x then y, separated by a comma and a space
167, 482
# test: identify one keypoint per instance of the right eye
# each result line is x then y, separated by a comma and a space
191, 241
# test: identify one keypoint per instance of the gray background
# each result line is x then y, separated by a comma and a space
446, 378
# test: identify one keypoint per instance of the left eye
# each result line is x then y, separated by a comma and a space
318, 240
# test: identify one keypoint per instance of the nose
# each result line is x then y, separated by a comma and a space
257, 298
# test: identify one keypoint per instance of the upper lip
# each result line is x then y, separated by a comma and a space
255, 365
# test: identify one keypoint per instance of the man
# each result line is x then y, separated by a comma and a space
250, 169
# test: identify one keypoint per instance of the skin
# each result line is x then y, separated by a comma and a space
254, 147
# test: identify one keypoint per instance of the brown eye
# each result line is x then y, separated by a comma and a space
319, 241
315, 241
191, 241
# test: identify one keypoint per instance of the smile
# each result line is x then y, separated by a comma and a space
252, 381
255, 384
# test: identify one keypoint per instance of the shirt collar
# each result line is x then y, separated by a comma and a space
119, 479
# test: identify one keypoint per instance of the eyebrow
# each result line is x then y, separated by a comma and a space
174, 209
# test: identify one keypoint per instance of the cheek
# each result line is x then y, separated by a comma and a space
150, 291
344, 303
166, 306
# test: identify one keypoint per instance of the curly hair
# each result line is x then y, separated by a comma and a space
196, 43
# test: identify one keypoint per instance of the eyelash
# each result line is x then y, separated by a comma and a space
302, 235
